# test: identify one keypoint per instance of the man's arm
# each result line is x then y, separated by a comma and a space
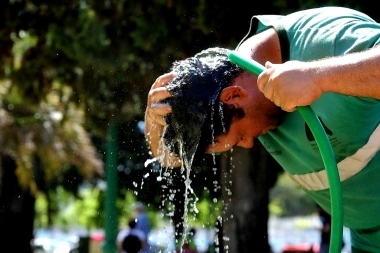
295, 83
155, 122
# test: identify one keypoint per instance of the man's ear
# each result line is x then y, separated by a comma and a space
232, 94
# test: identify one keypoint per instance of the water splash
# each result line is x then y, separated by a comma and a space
149, 161
192, 125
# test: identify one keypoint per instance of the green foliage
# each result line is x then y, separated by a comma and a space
91, 63
287, 199
86, 209
125, 211
108, 52
83, 211
45, 142
208, 212
97, 59
41, 219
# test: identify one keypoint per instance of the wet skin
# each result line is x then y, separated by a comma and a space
261, 115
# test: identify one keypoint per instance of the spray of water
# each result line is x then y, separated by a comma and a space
197, 116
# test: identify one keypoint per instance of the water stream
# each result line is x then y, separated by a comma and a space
196, 117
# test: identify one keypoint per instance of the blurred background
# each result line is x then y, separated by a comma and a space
74, 77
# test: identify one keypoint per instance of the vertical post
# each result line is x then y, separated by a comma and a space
111, 219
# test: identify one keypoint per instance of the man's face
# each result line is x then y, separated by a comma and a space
242, 133
261, 115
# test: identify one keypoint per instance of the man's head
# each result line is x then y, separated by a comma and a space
197, 115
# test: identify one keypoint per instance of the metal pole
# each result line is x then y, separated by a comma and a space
111, 219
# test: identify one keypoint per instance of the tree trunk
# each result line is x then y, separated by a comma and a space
16, 211
248, 175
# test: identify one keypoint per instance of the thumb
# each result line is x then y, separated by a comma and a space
268, 64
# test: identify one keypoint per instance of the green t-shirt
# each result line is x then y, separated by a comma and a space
351, 123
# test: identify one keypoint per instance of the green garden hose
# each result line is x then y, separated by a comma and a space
325, 149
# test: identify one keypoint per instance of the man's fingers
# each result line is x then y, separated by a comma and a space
158, 90
275, 99
160, 120
268, 93
163, 80
288, 107
158, 94
268, 64
262, 79
156, 110
264, 82
160, 109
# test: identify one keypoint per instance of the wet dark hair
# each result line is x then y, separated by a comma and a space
197, 115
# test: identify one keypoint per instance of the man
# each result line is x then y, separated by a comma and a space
325, 218
131, 239
327, 58
142, 223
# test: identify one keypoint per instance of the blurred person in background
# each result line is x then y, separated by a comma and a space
131, 239
188, 245
142, 222
325, 218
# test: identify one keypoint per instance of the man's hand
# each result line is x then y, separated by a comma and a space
155, 110
155, 120
290, 84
